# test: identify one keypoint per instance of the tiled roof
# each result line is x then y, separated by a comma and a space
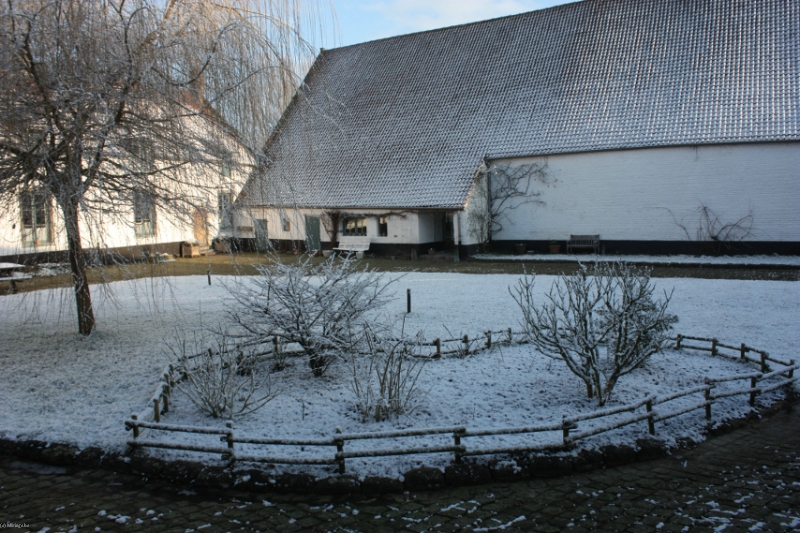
404, 122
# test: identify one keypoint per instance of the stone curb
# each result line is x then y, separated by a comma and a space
199, 475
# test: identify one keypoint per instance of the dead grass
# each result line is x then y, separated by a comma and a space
243, 264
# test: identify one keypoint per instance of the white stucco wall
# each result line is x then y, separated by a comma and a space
640, 194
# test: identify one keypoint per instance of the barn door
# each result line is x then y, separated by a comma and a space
312, 233
260, 228
200, 226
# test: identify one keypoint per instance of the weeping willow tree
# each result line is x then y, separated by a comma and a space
108, 104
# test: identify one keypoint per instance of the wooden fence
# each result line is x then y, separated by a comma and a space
562, 434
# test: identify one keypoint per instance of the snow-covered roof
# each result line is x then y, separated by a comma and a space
404, 122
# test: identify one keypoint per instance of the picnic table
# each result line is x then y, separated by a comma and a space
11, 272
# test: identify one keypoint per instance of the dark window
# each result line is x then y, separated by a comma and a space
224, 211
35, 208
144, 214
383, 226
354, 227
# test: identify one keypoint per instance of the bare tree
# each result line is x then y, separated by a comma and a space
603, 323
719, 234
506, 187
106, 105
318, 306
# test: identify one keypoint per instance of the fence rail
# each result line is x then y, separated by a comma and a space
593, 423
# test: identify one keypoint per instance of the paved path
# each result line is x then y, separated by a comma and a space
746, 481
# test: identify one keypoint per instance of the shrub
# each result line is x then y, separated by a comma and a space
603, 323
384, 379
316, 306
224, 382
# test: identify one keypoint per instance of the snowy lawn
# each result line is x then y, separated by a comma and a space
60, 387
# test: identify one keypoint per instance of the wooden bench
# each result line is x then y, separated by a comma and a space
353, 244
584, 242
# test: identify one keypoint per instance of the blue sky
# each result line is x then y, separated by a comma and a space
366, 20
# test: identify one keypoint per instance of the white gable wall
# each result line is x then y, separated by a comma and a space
640, 194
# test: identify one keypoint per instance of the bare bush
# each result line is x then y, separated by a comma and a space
224, 381
719, 234
315, 305
603, 323
384, 379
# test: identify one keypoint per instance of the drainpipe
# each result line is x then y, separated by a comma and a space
456, 234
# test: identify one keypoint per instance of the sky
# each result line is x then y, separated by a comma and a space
367, 20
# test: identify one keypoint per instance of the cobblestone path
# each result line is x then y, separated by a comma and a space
745, 481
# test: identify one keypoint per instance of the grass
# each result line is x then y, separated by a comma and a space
244, 264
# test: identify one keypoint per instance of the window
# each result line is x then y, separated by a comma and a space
383, 226
35, 207
286, 224
144, 214
354, 227
224, 211
225, 169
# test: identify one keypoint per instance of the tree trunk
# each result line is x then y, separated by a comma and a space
77, 263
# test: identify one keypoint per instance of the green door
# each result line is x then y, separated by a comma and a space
312, 233
262, 242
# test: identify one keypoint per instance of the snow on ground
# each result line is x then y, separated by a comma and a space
749, 260
61, 387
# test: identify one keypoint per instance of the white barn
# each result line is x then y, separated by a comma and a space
659, 125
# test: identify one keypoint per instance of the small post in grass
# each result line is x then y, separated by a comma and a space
763, 361
408, 300
742, 351
678, 342
707, 395
438, 344
714, 346
208, 273
651, 426
753, 382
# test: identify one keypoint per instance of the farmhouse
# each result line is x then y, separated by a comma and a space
660, 126
32, 229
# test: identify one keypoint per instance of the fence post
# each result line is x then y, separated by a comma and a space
678, 342
714, 346
488, 339
466, 344
651, 425
438, 344
565, 430
275, 346
156, 410
753, 382
457, 442
510, 337
339, 450
763, 361
229, 439
135, 426
707, 396
791, 372
165, 398
408, 300
208, 273
742, 351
